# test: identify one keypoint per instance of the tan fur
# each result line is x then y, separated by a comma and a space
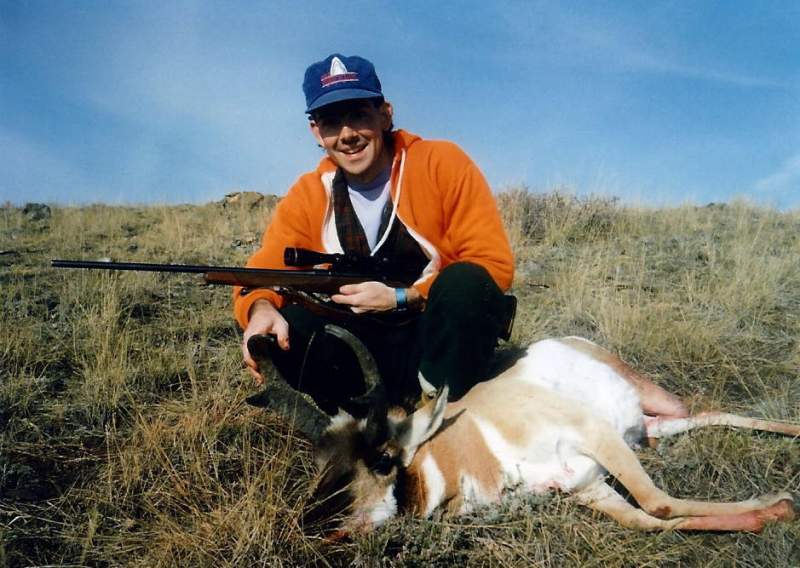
518, 409
459, 450
415, 490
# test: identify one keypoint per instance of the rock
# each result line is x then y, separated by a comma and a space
244, 199
36, 211
246, 244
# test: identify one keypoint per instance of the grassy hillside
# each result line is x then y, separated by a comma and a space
124, 439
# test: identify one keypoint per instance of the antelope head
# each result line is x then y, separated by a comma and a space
359, 460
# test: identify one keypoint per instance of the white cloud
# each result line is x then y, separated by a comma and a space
661, 64
784, 180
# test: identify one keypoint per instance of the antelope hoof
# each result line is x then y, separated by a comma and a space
783, 510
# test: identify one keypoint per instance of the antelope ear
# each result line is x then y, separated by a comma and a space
418, 428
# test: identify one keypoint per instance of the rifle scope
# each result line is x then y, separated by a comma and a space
304, 257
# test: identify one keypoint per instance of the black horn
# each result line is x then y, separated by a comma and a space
369, 368
373, 402
279, 397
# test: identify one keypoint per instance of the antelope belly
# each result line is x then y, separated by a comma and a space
574, 374
548, 460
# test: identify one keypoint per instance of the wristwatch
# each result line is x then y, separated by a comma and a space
401, 296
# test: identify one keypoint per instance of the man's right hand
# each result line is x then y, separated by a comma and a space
264, 319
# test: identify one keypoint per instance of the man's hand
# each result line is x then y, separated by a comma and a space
264, 319
366, 297
373, 297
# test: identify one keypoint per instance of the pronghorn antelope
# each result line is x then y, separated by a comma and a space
561, 418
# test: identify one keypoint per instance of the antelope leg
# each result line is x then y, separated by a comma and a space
603, 498
600, 496
662, 427
608, 448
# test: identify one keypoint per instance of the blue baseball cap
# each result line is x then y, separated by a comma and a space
340, 78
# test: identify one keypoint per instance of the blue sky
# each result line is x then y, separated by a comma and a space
654, 102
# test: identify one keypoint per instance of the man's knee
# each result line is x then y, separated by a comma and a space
463, 271
464, 287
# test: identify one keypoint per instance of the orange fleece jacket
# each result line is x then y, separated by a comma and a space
440, 195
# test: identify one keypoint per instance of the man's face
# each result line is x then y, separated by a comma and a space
351, 132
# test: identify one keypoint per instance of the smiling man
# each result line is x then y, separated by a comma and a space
425, 208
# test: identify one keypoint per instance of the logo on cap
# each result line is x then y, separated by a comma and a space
338, 74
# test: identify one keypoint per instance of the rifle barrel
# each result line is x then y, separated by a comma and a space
141, 266
315, 280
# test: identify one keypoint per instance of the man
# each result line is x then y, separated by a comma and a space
422, 205
425, 208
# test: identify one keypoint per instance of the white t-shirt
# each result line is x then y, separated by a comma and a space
368, 202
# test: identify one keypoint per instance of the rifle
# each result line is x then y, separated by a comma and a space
307, 284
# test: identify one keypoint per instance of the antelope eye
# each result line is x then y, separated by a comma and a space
384, 464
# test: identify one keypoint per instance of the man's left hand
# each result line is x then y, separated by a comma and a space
367, 297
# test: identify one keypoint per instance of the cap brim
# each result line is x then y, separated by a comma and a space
342, 95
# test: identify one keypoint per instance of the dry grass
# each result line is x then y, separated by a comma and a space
124, 439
